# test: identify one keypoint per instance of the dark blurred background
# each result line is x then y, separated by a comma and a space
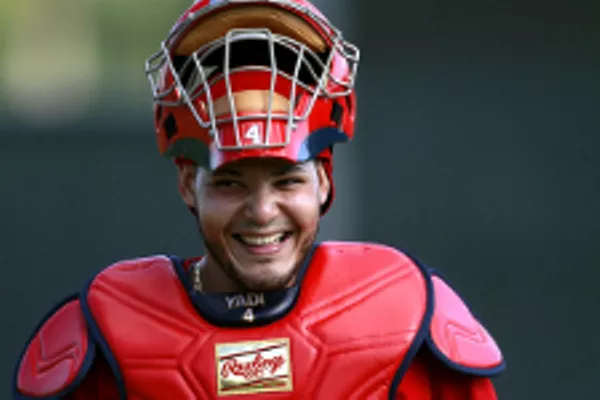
476, 150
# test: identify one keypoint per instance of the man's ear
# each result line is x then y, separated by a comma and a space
186, 182
324, 183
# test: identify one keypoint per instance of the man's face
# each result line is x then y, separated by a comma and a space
258, 217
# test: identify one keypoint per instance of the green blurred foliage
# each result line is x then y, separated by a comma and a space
123, 33
128, 32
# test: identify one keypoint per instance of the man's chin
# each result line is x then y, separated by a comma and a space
265, 280
260, 273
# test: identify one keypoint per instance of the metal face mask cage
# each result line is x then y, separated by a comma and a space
194, 80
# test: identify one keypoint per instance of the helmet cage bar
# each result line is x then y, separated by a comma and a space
254, 34
229, 39
188, 92
345, 49
193, 87
349, 52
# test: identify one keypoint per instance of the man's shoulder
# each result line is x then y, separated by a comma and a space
367, 257
140, 263
61, 350
58, 354
457, 336
360, 258
364, 249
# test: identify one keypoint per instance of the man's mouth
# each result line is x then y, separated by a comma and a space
262, 240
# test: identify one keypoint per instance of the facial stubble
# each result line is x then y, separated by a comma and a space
217, 253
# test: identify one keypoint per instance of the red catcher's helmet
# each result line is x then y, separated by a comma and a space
250, 78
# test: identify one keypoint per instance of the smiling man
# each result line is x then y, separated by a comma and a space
259, 218
250, 98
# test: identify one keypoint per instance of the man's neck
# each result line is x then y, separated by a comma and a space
208, 277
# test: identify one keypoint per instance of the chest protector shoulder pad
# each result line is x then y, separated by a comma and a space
57, 356
457, 337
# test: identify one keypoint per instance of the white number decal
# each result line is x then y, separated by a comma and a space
253, 134
248, 315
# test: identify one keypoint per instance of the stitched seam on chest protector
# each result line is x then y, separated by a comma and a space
178, 362
341, 302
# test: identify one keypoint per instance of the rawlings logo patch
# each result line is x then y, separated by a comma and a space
254, 367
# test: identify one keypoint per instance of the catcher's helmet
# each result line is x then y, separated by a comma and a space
253, 78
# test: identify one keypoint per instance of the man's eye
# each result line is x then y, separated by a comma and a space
225, 184
289, 182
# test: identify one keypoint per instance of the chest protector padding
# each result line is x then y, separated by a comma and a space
359, 310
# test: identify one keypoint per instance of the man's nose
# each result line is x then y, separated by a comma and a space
262, 206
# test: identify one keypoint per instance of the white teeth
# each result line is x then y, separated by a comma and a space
262, 240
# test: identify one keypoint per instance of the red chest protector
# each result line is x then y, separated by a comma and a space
349, 330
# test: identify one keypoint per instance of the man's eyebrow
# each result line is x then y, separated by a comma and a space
289, 169
225, 172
